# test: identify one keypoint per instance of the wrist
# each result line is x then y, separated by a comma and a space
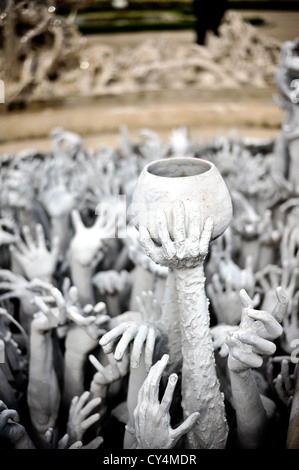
238, 368
77, 263
188, 279
98, 390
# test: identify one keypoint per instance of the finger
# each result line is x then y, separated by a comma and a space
114, 364
66, 284
206, 236
95, 443
76, 220
28, 238
73, 295
77, 445
36, 282
250, 359
164, 236
87, 309
48, 436
272, 327
99, 367
195, 228
73, 404
138, 346
100, 307
63, 442
40, 236
278, 384
8, 275
90, 406
124, 342
281, 307
48, 299
245, 299
148, 245
48, 312
247, 303
123, 365
154, 376
113, 334
168, 394
261, 345
101, 319
8, 414
179, 230
78, 318
88, 422
149, 348
110, 347
58, 296
82, 400
186, 426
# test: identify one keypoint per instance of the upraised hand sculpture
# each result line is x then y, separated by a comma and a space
177, 234
248, 345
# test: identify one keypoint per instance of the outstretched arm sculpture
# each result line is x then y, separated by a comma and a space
181, 204
185, 256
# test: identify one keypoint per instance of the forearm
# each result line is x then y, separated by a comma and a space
60, 227
43, 389
82, 279
250, 413
170, 321
199, 377
136, 379
73, 375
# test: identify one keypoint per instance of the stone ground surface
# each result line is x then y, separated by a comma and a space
250, 112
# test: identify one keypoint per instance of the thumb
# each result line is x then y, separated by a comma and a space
186, 426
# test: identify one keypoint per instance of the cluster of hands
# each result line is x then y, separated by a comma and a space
74, 358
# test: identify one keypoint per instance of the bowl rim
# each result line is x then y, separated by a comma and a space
186, 159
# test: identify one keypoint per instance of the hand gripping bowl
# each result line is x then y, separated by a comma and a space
195, 182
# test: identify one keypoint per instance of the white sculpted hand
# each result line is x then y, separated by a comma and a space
188, 248
257, 331
34, 257
151, 417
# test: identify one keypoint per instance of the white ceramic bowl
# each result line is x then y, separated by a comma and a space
195, 182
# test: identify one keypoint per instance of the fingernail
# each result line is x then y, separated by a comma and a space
173, 378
